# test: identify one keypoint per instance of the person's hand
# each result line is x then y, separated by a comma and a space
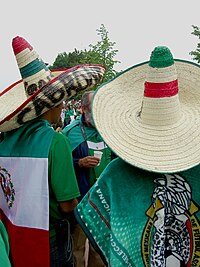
88, 162
58, 129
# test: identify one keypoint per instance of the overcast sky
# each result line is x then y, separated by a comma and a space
53, 27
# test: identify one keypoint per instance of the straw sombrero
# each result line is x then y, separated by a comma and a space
149, 115
41, 89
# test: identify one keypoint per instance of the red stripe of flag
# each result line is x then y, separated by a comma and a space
158, 90
29, 247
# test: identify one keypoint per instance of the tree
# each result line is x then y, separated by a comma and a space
101, 53
196, 53
64, 60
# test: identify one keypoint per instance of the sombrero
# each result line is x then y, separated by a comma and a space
149, 115
41, 89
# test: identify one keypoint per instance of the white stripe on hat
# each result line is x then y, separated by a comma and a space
161, 75
161, 111
25, 57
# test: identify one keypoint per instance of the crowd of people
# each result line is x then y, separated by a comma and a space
110, 180
71, 111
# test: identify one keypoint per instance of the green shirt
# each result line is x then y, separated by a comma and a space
63, 184
95, 144
4, 247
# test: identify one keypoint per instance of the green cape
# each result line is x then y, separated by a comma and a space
75, 135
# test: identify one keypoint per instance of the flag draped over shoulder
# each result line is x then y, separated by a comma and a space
107, 216
137, 218
25, 202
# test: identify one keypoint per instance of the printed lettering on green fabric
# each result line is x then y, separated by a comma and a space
120, 252
146, 240
103, 200
196, 241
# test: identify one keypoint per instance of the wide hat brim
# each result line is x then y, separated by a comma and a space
159, 148
16, 108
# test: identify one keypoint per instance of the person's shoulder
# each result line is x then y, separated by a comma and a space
115, 165
59, 137
118, 167
60, 143
72, 126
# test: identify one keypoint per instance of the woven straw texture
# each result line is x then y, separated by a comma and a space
40, 89
16, 108
156, 134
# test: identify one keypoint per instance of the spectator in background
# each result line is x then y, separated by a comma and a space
78, 109
67, 118
85, 142
62, 115
71, 112
39, 160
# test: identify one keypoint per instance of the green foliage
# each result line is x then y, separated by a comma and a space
101, 53
196, 53
64, 60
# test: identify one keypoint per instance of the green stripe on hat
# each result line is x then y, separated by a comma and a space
161, 57
32, 68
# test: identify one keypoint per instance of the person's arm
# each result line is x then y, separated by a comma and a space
67, 209
81, 158
63, 179
68, 206
88, 162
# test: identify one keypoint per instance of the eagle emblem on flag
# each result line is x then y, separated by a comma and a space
7, 186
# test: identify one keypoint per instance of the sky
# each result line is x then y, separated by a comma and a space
136, 26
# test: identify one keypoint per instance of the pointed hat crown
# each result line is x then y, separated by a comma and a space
149, 114
40, 88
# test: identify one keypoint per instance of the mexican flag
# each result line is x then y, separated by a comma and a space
24, 202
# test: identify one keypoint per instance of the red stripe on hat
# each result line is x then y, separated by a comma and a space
19, 44
158, 90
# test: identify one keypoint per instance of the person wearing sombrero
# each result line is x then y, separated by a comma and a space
144, 209
85, 142
38, 160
